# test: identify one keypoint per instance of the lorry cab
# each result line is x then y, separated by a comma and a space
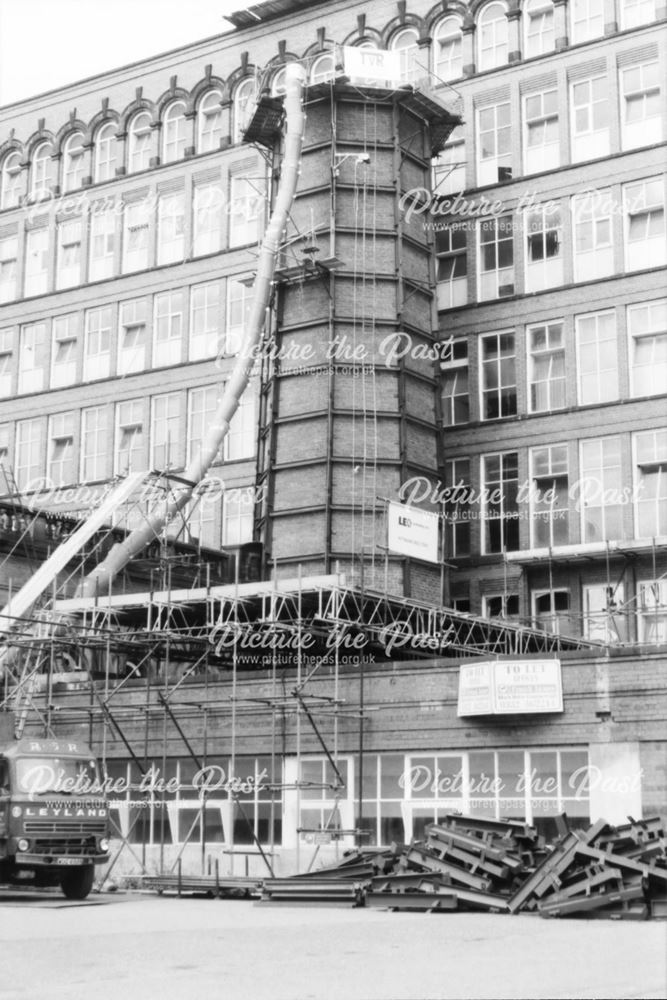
54, 819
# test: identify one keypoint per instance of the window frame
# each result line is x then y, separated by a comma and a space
600, 353
499, 44
11, 180
174, 132
206, 135
74, 162
546, 352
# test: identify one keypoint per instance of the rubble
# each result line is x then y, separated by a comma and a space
467, 863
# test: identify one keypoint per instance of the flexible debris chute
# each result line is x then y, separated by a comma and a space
99, 579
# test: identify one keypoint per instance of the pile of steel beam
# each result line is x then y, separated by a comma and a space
467, 863
609, 872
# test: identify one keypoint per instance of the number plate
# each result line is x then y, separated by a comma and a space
67, 861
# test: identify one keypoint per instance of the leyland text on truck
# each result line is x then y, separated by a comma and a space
54, 819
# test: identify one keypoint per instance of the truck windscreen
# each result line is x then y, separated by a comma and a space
60, 775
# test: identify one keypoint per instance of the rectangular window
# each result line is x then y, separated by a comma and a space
589, 108
241, 440
640, 105
132, 337
549, 514
203, 516
494, 137
544, 257
650, 449
6, 362
60, 460
68, 272
168, 329
29, 459
636, 12
532, 786
551, 611
8, 268
239, 299
33, 353
645, 242
129, 444
587, 17
542, 140
647, 333
500, 606
136, 220
202, 404
36, 261
592, 234
166, 450
498, 376
500, 484
97, 345
102, 235
64, 350
652, 602
207, 218
450, 246
605, 618
325, 803
449, 167
455, 389
457, 508
95, 434
246, 205
205, 321
237, 516
496, 252
383, 799
546, 367
597, 357
171, 228
599, 491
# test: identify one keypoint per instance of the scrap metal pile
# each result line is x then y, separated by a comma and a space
466, 863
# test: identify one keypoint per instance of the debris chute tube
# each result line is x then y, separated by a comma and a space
99, 579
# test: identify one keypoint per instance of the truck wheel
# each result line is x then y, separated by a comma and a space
77, 883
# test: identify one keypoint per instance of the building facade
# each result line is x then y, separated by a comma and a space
517, 271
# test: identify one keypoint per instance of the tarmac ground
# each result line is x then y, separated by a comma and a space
134, 945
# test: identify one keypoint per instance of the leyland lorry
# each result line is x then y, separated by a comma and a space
54, 818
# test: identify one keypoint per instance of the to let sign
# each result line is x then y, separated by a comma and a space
412, 532
510, 687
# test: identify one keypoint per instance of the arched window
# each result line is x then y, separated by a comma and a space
278, 85
244, 104
492, 34
10, 181
41, 177
448, 49
323, 68
539, 27
210, 122
174, 133
140, 142
406, 43
105, 153
73, 162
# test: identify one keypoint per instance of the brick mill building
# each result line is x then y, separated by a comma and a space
469, 315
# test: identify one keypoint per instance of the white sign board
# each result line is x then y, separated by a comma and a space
412, 532
476, 689
510, 687
373, 65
